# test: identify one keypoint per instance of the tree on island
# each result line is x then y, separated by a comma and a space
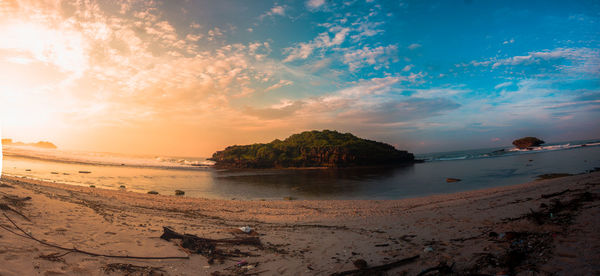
312, 149
527, 142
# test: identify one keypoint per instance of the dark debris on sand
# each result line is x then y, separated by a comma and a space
212, 248
133, 270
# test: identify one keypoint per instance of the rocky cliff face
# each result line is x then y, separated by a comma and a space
527, 142
312, 149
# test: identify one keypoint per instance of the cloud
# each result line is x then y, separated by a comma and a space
559, 62
571, 104
315, 4
278, 85
502, 85
283, 110
511, 41
414, 46
214, 33
379, 56
275, 10
572, 54
131, 68
437, 92
194, 38
401, 111
364, 28
322, 41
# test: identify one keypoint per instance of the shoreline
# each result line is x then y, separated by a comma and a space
307, 237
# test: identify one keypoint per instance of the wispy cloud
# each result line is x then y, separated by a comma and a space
278, 85
315, 4
380, 56
275, 10
322, 41
414, 46
503, 84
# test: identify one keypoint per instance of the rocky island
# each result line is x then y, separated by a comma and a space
312, 149
527, 142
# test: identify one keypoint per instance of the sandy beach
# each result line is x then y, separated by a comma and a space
539, 228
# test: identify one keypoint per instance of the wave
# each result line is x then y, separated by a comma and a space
498, 152
109, 159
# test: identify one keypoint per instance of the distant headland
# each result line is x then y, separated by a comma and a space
312, 149
40, 144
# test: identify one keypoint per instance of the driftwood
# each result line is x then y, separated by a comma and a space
208, 247
24, 234
5, 207
15, 201
555, 194
377, 269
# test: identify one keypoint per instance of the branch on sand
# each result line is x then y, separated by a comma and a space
75, 250
208, 247
130, 269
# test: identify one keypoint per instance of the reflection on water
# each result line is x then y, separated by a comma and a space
315, 183
354, 183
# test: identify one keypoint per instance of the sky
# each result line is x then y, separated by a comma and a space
188, 78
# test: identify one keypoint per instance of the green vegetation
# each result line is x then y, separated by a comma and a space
312, 149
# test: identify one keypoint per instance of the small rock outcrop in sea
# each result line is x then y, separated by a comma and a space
313, 149
450, 180
527, 142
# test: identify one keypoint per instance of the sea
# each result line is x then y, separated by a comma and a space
477, 169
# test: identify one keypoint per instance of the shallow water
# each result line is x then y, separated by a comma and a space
356, 183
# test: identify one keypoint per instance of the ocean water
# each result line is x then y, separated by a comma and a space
478, 169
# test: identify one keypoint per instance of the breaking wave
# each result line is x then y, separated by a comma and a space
498, 152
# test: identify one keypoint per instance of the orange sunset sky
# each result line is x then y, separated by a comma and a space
187, 78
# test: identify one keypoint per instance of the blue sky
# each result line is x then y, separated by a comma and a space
421, 75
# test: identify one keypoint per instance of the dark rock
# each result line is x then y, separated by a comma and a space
179, 192
360, 264
527, 142
449, 180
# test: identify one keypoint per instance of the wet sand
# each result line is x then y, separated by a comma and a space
516, 229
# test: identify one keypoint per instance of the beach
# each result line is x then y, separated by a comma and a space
537, 228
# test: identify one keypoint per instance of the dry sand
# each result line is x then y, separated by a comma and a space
486, 231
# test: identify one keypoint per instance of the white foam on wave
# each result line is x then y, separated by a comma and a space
475, 154
551, 147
